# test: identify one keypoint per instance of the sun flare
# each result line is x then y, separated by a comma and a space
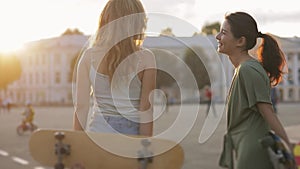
6, 47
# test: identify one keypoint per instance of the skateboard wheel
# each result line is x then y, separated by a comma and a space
59, 135
146, 142
59, 166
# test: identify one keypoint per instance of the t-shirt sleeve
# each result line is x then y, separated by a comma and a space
256, 85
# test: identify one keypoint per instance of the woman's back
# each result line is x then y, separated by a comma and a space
121, 98
119, 95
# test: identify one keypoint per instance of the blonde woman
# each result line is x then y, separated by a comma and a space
117, 73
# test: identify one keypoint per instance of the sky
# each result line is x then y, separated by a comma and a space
24, 21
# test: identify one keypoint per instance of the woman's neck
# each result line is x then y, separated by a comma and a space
237, 59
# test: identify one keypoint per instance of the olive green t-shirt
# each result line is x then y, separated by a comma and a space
250, 86
245, 124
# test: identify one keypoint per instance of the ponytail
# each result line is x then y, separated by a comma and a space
272, 58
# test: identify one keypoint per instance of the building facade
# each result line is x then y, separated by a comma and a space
47, 73
290, 87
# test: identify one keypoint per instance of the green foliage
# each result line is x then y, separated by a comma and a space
164, 60
195, 58
211, 29
72, 32
167, 32
10, 70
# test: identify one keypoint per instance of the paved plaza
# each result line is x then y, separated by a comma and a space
14, 153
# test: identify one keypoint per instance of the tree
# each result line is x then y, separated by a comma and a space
163, 60
167, 32
211, 29
10, 70
72, 32
192, 59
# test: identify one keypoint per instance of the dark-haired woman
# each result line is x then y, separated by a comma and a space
250, 114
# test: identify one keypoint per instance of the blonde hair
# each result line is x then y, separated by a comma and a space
121, 28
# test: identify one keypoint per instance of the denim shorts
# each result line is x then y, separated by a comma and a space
113, 124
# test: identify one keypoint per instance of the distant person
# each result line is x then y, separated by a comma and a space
28, 115
249, 107
274, 98
172, 100
119, 73
167, 102
210, 102
6, 103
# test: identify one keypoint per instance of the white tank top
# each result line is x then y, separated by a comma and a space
123, 99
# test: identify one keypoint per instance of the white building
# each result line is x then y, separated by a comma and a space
47, 76
46, 71
290, 87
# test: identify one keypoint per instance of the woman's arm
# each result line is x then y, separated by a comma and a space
146, 102
270, 116
82, 94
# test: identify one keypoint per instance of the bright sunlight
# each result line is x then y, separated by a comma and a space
9, 46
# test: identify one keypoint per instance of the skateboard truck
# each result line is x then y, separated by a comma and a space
278, 154
61, 149
144, 155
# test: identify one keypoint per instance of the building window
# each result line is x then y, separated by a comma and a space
70, 77
37, 78
43, 59
70, 96
30, 60
57, 59
298, 75
18, 96
44, 78
291, 94
30, 79
37, 60
57, 77
280, 94
23, 80
290, 56
290, 76
298, 94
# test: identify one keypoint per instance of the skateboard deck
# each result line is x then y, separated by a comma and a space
68, 148
280, 154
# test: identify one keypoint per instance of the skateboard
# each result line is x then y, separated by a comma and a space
279, 152
88, 150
